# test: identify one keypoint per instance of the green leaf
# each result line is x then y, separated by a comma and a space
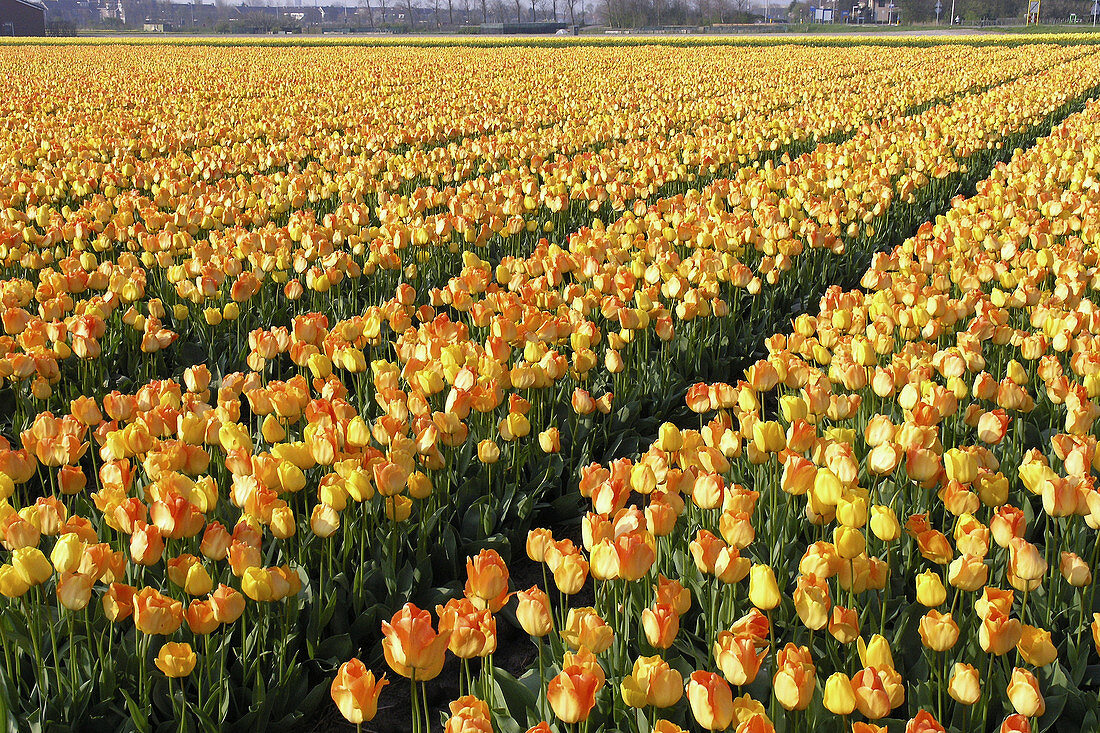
335, 648
137, 715
519, 701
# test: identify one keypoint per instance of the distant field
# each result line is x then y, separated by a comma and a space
817, 35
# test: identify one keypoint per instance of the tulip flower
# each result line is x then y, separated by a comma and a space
411, 646
652, 683
74, 590
473, 631
155, 613
1015, 723
763, 589
938, 631
176, 660
965, 684
661, 624
1024, 694
585, 628
999, 634
487, 580
923, 722
533, 612
871, 696
355, 691
711, 700
839, 697
737, 658
572, 693
32, 565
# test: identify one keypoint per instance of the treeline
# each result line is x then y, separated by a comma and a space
920, 11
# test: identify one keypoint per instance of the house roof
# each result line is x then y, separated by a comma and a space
33, 4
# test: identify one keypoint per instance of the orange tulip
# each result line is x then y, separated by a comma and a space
411, 646
1015, 723
155, 613
1024, 694
923, 722
661, 624
999, 634
736, 656
473, 631
572, 693
533, 612
200, 617
871, 697
227, 603
487, 580
711, 700
938, 631
355, 691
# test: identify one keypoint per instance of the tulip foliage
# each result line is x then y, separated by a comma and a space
289, 358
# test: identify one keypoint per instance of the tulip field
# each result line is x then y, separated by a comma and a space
632, 387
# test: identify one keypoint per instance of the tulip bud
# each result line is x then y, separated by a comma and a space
1015, 723
12, 584
839, 699
487, 580
1024, 694
1025, 560
876, 653
533, 612
930, 589
1075, 570
965, 684
763, 589
884, 523
74, 590
67, 553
